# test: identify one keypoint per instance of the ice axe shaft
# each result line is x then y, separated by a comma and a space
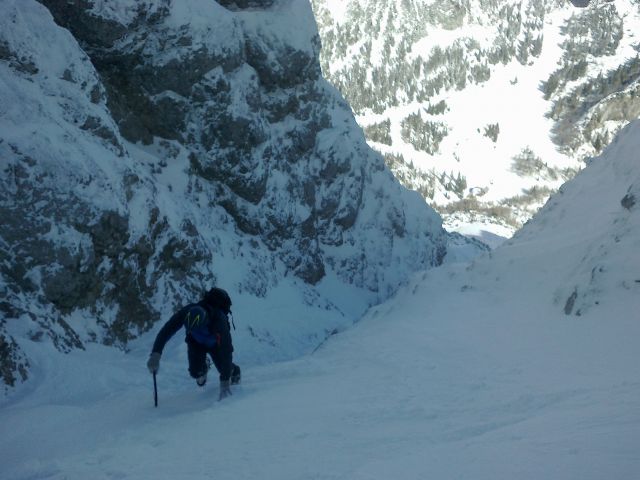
155, 390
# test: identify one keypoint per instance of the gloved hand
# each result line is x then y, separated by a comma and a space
153, 364
225, 389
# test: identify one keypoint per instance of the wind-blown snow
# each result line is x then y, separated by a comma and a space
472, 371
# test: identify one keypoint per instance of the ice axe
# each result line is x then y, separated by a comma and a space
155, 390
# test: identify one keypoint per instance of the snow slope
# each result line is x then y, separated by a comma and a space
483, 371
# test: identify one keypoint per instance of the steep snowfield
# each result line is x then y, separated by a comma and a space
473, 371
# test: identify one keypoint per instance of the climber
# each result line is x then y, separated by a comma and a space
207, 331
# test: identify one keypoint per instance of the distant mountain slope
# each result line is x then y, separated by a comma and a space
156, 148
485, 106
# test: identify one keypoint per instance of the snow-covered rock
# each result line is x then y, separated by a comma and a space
153, 149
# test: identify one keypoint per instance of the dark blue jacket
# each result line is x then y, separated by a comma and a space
218, 329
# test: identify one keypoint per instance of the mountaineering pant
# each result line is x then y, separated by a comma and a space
197, 354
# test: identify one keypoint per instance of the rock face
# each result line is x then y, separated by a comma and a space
152, 149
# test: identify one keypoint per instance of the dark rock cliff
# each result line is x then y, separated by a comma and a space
153, 149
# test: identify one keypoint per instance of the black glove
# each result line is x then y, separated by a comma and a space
153, 364
225, 389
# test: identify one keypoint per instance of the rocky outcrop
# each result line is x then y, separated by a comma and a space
150, 150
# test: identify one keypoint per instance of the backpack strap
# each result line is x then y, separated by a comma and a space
195, 318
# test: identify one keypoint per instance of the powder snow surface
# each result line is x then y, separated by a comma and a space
470, 372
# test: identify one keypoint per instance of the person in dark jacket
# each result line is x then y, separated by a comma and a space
207, 329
